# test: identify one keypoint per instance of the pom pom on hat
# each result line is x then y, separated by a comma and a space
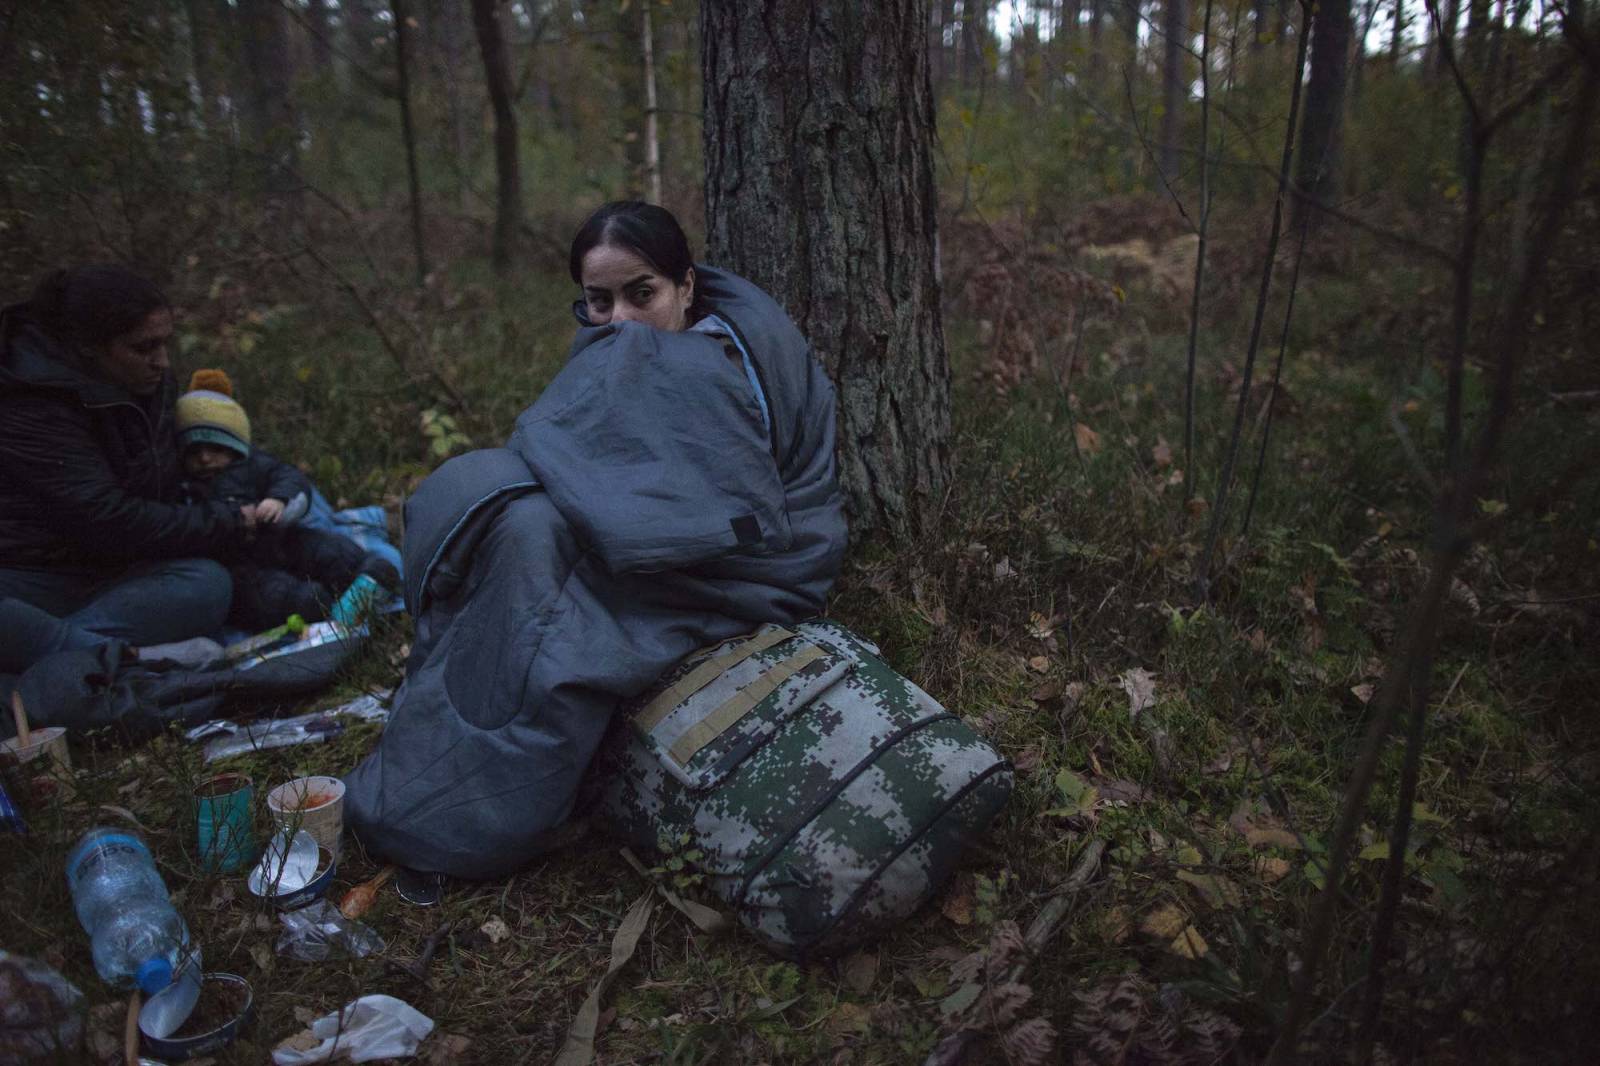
208, 413
212, 380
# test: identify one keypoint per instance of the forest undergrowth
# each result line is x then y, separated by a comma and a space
1179, 762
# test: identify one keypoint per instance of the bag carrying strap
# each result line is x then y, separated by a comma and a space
653, 712
739, 704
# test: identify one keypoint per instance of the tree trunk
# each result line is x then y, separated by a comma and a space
1258, 25
203, 38
1174, 87
652, 137
628, 84
974, 38
270, 106
1318, 166
321, 30
1097, 17
819, 131
507, 166
402, 64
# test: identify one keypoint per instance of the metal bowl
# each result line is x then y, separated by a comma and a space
177, 1049
292, 873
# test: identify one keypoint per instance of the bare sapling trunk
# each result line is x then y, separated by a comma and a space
507, 165
402, 60
1219, 508
1174, 87
1405, 674
652, 138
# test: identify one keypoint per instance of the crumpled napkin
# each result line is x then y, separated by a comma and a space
372, 1027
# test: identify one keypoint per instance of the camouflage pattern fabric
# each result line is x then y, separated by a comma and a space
828, 795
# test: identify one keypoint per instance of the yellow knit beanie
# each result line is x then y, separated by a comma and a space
208, 413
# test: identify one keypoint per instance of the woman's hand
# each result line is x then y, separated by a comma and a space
269, 511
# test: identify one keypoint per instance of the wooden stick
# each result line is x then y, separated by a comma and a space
130, 1032
24, 736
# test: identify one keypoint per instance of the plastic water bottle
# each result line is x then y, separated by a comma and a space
122, 903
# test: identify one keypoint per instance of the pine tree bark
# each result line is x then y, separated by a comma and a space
1320, 162
819, 126
507, 164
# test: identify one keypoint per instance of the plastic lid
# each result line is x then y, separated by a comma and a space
154, 975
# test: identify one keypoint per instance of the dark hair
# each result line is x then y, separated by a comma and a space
89, 306
646, 230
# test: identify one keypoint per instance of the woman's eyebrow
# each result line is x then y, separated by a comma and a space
625, 285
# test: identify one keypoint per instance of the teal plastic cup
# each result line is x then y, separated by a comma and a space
224, 820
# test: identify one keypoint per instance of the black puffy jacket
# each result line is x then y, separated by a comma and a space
88, 472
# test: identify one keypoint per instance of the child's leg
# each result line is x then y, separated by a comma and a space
331, 559
265, 597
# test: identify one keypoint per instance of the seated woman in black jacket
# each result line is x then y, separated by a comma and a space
94, 543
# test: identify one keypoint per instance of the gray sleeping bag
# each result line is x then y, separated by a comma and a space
649, 503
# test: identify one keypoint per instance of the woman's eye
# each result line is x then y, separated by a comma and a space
642, 296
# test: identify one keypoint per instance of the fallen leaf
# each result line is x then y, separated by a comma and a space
1003, 569
1258, 639
1027, 760
1088, 440
1165, 922
1161, 453
1119, 791
957, 903
446, 1049
860, 970
1379, 850
1040, 627
305, 1015
1272, 838
1197, 506
1039, 663
1046, 693
1116, 924
262, 956
960, 999
1220, 765
304, 1040
847, 1018
1363, 692
495, 929
1217, 891
1272, 869
1189, 944
1077, 796
1140, 685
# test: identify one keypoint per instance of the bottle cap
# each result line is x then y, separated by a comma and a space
154, 975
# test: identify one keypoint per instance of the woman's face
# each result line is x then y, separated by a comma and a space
619, 286
137, 359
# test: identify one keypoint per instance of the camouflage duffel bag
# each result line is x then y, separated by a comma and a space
827, 795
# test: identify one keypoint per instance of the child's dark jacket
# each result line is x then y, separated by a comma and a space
256, 477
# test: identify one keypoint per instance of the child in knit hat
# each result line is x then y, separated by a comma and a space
288, 569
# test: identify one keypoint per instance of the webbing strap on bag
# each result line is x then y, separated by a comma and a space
738, 705
702, 675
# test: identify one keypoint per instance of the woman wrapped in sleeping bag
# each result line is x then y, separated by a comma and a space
674, 486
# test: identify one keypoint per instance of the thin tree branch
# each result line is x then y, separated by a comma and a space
1220, 506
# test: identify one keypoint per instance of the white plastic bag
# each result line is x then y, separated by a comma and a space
372, 1027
